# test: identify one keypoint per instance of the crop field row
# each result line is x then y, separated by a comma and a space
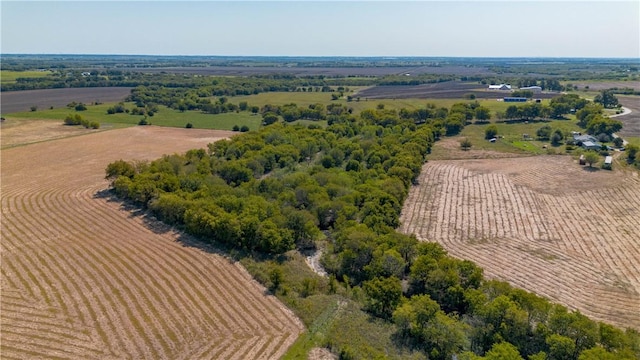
541, 223
83, 278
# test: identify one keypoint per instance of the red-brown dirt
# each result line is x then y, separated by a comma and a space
542, 223
83, 278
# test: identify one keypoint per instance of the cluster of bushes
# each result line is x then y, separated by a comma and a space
285, 187
546, 133
243, 128
558, 107
146, 110
77, 119
77, 106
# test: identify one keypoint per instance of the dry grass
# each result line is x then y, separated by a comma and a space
542, 223
84, 278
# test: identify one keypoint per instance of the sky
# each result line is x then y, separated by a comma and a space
455, 28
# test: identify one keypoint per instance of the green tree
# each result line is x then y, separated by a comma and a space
560, 347
120, 168
591, 158
618, 141
269, 118
490, 132
512, 112
544, 133
503, 351
422, 324
276, 276
598, 353
383, 295
483, 113
607, 99
557, 137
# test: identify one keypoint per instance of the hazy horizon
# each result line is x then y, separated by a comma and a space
453, 29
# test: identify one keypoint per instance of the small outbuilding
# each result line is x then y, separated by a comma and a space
515, 99
582, 160
533, 89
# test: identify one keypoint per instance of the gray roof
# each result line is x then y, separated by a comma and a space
591, 144
584, 138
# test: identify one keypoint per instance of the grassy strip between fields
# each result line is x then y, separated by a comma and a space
164, 117
10, 77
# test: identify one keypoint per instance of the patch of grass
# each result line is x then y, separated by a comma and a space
511, 139
303, 99
633, 140
164, 117
10, 77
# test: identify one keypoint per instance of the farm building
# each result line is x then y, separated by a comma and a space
582, 160
577, 137
515, 99
607, 162
500, 87
534, 89
590, 145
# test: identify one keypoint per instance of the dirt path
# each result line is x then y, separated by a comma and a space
83, 278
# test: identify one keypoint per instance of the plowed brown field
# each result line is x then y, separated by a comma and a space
541, 223
82, 278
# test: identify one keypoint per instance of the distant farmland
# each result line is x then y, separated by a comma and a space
326, 71
442, 90
83, 278
15, 101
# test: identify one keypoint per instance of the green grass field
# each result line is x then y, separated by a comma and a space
303, 99
511, 139
164, 117
9, 77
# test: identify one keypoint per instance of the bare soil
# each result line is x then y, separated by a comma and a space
542, 223
630, 122
605, 85
15, 101
85, 278
15, 132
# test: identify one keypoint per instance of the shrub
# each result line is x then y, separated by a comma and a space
491, 132
144, 121
33, 108
189, 125
81, 107
618, 142
235, 128
244, 128
465, 144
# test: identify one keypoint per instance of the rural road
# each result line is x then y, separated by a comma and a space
625, 111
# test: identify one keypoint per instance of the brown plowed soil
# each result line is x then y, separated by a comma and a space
83, 278
15, 101
542, 223
630, 122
